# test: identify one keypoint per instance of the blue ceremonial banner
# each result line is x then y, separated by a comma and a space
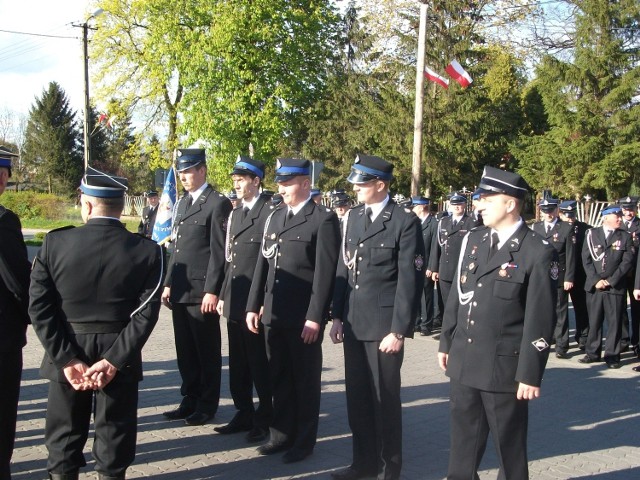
164, 217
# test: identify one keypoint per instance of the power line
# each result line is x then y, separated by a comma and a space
37, 34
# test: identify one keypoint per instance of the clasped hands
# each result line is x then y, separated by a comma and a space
84, 377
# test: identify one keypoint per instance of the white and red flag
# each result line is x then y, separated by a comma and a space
434, 77
459, 74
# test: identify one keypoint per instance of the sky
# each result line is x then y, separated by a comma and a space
28, 62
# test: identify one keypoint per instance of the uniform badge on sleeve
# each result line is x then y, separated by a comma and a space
540, 344
554, 270
418, 262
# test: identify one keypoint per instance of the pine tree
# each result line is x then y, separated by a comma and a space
51, 150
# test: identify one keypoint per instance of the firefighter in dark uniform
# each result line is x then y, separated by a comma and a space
341, 204
248, 365
192, 287
429, 229
497, 328
578, 295
14, 294
293, 281
631, 224
561, 237
94, 300
608, 255
451, 231
379, 283
149, 213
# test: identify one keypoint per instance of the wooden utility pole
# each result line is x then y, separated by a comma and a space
419, 102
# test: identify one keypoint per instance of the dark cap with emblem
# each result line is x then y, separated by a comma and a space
548, 204
457, 199
6, 157
612, 208
248, 166
190, 157
287, 168
340, 200
628, 203
103, 185
151, 193
367, 168
569, 208
496, 181
315, 192
232, 195
420, 201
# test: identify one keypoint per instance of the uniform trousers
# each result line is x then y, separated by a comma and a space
579, 302
374, 408
561, 333
445, 288
630, 334
10, 373
295, 371
199, 355
605, 306
425, 322
437, 318
475, 413
248, 367
68, 418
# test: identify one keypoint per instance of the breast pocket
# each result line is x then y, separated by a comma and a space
383, 255
508, 288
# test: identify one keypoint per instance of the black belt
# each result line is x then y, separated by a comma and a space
96, 327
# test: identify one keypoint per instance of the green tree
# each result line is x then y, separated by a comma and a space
51, 150
593, 142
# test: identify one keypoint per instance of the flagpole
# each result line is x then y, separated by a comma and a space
419, 102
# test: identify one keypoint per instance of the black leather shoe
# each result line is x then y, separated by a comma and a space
295, 455
198, 418
64, 476
562, 355
102, 476
178, 414
270, 448
232, 427
636, 350
582, 347
257, 434
636, 368
350, 473
425, 333
613, 364
588, 359
624, 348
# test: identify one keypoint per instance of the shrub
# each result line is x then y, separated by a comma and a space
28, 205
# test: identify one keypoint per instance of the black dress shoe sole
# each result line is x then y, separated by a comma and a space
197, 419
230, 429
271, 448
293, 456
177, 414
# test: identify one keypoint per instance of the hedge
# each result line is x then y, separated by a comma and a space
28, 205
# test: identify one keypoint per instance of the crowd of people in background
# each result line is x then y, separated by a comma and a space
278, 267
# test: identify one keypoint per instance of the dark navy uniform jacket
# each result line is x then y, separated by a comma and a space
380, 293
148, 220
243, 250
563, 239
14, 283
497, 333
449, 242
429, 228
296, 284
197, 263
609, 259
96, 276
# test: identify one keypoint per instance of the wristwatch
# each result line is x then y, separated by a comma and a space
398, 336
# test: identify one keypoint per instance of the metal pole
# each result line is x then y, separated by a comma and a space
419, 102
87, 136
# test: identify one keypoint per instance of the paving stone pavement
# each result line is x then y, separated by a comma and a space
586, 425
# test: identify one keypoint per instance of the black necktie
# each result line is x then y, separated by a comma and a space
454, 223
189, 202
367, 218
245, 210
289, 216
494, 244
